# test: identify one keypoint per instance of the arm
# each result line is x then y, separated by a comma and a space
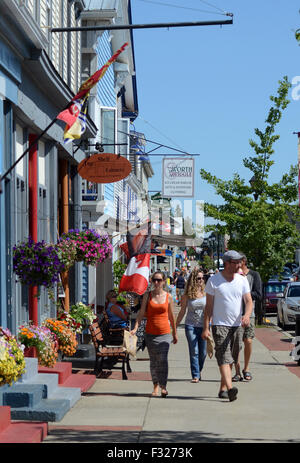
172, 320
256, 292
248, 309
182, 310
141, 313
116, 311
208, 312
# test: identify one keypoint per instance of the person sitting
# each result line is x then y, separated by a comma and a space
117, 316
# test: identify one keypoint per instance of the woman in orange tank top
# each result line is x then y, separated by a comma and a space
157, 307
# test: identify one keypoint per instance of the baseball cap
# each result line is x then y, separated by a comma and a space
231, 255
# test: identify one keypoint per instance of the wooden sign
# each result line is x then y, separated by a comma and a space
104, 168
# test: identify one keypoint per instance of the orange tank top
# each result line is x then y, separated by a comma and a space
157, 317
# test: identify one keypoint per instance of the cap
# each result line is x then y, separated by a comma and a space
231, 255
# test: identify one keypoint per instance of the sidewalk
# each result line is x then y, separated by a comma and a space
266, 411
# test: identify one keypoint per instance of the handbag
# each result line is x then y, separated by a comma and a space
129, 343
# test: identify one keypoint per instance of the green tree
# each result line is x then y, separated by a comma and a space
259, 217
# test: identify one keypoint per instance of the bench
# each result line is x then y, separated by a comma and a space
108, 344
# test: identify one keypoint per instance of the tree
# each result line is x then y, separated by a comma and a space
263, 226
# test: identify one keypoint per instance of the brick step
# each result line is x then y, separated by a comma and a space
19, 432
62, 369
45, 410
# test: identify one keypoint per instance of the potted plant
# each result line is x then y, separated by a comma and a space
12, 362
65, 337
37, 264
41, 341
82, 314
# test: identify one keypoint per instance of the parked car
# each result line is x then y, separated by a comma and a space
272, 291
285, 275
288, 305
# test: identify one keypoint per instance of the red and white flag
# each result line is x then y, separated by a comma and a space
136, 276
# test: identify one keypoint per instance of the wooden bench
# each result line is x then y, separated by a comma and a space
108, 344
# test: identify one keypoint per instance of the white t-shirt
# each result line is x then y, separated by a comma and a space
228, 297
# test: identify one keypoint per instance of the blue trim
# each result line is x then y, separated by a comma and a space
3, 268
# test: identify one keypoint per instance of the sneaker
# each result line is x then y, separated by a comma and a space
232, 394
223, 395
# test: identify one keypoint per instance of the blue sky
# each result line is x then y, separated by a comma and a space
205, 89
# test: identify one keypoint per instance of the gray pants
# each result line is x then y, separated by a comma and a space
158, 348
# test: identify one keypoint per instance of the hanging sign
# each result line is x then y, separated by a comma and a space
178, 177
104, 168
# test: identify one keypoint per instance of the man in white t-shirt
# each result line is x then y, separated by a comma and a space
225, 292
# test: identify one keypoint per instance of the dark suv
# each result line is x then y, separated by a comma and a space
272, 291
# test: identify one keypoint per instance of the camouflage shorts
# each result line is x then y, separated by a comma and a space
249, 331
228, 343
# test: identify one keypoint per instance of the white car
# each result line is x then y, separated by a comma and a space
288, 306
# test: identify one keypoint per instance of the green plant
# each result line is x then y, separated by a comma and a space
82, 314
118, 272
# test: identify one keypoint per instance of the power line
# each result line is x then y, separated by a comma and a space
181, 7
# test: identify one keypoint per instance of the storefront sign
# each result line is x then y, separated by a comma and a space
104, 168
178, 177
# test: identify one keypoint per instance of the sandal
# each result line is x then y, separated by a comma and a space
237, 378
247, 375
164, 393
195, 380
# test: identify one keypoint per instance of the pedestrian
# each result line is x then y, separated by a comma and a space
157, 307
225, 292
255, 284
118, 317
180, 285
193, 302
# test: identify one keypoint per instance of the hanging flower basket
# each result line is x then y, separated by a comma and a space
65, 337
91, 248
12, 362
39, 342
82, 314
37, 264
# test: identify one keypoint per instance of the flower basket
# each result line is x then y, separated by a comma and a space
82, 314
65, 337
37, 264
39, 342
12, 362
91, 248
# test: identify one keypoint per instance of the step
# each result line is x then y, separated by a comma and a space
45, 410
19, 432
49, 382
31, 369
62, 369
4, 418
22, 395
82, 381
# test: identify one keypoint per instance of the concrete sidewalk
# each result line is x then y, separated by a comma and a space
267, 408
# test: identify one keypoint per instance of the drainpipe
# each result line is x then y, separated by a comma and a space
65, 223
33, 222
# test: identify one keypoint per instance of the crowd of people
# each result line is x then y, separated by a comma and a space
220, 303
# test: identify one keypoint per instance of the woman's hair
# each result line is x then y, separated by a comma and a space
109, 294
161, 273
192, 287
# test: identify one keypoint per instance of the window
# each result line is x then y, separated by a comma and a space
109, 129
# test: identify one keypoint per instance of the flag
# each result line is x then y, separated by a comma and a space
74, 114
94, 79
136, 276
77, 129
138, 251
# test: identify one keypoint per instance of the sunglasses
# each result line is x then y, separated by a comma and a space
200, 278
157, 279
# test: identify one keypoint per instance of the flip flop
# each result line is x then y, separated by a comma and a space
237, 378
247, 375
195, 380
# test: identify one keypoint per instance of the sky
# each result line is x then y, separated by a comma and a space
205, 89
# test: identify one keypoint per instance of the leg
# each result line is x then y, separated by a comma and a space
193, 350
226, 382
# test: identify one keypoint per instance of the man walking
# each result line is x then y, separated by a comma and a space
255, 284
225, 292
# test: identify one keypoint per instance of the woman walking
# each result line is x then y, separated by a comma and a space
157, 307
193, 301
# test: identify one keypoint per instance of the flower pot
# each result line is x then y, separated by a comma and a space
30, 351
